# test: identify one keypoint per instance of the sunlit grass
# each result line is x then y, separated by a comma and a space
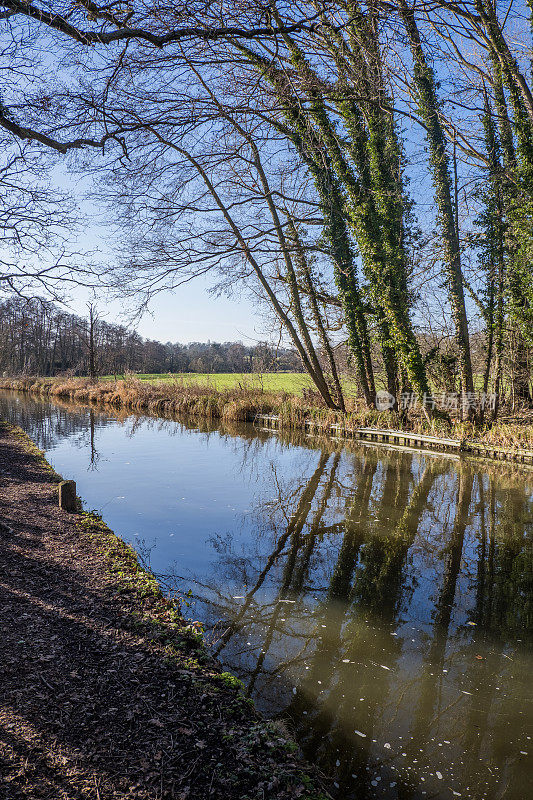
289, 382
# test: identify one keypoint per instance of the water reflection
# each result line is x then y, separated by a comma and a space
381, 600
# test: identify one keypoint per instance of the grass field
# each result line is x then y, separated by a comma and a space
290, 382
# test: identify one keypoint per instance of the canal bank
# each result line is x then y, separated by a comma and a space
510, 438
106, 691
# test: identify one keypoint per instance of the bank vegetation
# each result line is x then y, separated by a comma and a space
244, 402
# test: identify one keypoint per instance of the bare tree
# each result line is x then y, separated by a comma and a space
264, 144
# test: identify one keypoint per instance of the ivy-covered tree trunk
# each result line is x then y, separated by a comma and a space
517, 83
498, 346
345, 274
308, 145
507, 195
375, 213
492, 254
518, 188
425, 84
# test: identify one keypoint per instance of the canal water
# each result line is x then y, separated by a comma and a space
380, 601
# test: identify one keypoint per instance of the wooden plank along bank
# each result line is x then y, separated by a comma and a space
410, 439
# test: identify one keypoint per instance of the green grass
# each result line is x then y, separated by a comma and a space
290, 382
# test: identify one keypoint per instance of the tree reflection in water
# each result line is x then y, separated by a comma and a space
383, 623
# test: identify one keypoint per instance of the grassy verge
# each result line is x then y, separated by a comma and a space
242, 403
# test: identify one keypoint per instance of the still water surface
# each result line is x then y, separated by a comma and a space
380, 600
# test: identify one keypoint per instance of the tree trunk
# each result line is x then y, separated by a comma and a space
424, 80
91, 342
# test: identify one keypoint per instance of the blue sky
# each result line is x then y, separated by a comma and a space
189, 314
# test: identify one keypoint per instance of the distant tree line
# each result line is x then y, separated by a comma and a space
39, 338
